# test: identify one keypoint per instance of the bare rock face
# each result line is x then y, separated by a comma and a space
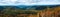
51, 13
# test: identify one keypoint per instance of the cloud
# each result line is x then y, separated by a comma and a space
29, 2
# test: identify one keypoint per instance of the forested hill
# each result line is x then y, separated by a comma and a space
28, 7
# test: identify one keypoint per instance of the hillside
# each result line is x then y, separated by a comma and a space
15, 11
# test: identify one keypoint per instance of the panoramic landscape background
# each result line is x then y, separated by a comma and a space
30, 11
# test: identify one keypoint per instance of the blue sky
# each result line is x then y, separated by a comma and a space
29, 2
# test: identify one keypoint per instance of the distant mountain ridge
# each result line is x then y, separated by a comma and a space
25, 7
28, 7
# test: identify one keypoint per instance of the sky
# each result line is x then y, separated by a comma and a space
29, 2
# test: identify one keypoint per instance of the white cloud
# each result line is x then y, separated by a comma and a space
29, 2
